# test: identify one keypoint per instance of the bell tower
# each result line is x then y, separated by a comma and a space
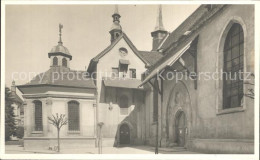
59, 55
116, 29
159, 32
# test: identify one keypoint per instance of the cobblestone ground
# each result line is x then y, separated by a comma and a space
16, 149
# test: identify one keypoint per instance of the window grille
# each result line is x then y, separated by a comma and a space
233, 67
73, 116
38, 116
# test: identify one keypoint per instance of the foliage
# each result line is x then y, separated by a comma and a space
10, 126
20, 132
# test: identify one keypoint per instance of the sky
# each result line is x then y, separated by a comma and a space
32, 30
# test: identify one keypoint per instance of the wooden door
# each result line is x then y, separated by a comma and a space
181, 129
124, 134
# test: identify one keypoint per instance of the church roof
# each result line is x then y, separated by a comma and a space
196, 19
61, 77
148, 59
60, 48
177, 40
151, 56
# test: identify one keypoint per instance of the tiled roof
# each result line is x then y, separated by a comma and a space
176, 40
190, 24
122, 83
151, 56
59, 76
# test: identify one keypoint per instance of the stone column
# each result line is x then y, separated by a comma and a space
47, 113
25, 119
95, 117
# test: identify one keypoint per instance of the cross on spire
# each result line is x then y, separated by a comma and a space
60, 27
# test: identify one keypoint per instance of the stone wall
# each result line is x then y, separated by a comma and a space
209, 129
51, 106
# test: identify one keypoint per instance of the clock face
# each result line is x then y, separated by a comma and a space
123, 51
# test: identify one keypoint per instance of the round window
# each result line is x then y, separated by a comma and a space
123, 51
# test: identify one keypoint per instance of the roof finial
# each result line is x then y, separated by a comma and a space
116, 9
60, 27
159, 23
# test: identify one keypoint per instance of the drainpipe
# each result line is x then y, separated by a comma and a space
157, 119
96, 128
161, 111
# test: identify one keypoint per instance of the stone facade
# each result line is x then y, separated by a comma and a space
190, 109
108, 106
208, 127
48, 136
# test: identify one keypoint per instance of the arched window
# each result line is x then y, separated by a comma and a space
38, 115
117, 35
64, 62
233, 67
55, 61
123, 104
73, 115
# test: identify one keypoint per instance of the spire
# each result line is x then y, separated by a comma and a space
116, 9
159, 32
116, 16
116, 28
60, 27
159, 23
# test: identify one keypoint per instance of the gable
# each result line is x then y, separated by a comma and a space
113, 57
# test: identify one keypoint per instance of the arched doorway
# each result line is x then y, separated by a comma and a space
124, 134
181, 128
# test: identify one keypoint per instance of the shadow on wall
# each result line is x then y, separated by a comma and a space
126, 133
127, 130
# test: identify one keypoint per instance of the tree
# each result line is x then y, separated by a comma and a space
20, 132
10, 126
58, 122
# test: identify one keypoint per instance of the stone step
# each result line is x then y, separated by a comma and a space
173, 149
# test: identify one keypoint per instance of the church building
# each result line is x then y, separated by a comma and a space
212, 110
57, 92
118, 68
138, 96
